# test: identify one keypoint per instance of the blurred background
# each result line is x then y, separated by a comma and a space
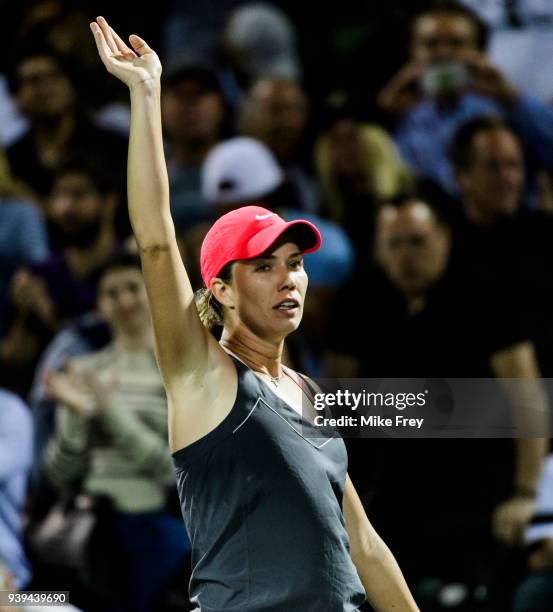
418, 136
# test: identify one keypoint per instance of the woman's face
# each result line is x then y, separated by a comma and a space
268, 292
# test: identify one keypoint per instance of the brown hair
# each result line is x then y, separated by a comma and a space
209, 308
460, 148
456, 9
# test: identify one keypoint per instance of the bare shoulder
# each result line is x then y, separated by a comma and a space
200, 399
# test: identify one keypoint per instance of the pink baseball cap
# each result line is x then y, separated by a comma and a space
247, 232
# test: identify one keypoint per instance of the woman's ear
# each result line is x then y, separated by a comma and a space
222, 292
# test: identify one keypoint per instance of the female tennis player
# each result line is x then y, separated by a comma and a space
275, 522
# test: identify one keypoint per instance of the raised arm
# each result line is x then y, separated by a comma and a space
181, 339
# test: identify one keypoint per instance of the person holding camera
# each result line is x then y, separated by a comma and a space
448, 81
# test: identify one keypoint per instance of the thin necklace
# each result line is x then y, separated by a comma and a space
274, 379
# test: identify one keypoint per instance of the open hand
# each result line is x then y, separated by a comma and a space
133, 66
402, 91
64, 388
487, 80
84, 394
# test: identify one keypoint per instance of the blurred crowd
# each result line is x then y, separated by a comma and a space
418, 136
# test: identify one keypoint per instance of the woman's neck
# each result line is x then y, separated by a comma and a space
260, 355
135, 341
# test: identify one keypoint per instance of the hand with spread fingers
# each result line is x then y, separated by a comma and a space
133, 65
85, 394
63, 388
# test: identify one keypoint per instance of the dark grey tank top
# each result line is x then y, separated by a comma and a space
262, 503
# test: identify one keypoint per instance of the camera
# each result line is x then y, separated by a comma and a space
444, 78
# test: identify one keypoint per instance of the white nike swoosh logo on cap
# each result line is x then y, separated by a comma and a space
261, 217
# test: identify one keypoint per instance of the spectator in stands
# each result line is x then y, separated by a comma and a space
447, 81
193, 29
242, 170
275, 112
521, 41
425, 319
87, 334
47, 93
46, 295
111, 435
16, 449
498, 240
63, 25
195, 118
358, 167
260, 40
23, 237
